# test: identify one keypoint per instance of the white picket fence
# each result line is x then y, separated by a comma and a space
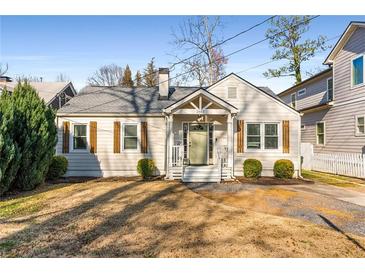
349, 164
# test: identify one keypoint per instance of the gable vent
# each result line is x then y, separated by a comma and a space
232, 93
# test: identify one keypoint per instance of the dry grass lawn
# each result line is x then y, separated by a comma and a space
116, 218
335, 180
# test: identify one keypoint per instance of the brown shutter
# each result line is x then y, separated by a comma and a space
144, 144
116, 137
66, 137
93, 137
286, 137
240, 136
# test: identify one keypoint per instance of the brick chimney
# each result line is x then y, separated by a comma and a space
163, 83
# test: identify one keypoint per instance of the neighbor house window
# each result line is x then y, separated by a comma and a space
302, 126
80, 137
320, 133
301, 92
360, 125
232, 93
130, 137
253, 136
329, 89
271, 136
293, 103
358, 71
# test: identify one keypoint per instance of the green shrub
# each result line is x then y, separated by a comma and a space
57, 168
146, 167
252, 168
284, 169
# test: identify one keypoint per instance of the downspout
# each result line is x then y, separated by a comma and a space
167, 150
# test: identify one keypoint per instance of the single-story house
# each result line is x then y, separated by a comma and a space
55, 94
191, 133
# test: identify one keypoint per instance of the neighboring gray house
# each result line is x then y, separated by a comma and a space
333, 101
55, 94
191, 133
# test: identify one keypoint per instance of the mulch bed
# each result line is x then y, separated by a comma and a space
273, 181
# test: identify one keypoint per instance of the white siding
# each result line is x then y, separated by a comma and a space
105, 162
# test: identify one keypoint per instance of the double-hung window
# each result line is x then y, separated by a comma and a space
357, 71
80, 137
360, 125
130, 137
262, 136
320, 131
293, 103
302, 92
329, 89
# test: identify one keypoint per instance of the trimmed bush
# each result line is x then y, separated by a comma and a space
284, 169
57, 168
146, 167
252, 168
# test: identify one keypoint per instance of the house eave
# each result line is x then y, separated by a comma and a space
317, 107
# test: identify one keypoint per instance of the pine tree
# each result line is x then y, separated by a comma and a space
138, 80
150, 74
127, 78
35, 134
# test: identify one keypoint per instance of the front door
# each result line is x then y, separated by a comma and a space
198, 150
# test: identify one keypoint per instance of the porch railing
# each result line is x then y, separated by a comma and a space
177, 156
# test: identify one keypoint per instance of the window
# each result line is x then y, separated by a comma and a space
253, 136
130, 137
329, 89
358, 71
320, 133
293, 101
80, 137
232, 93
360, 125
262, 133
271, 136
302, 92
185, 139
302, 126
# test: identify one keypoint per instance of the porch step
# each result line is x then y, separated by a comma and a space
209, 174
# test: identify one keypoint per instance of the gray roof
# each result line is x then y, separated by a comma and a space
94, 99
46, 90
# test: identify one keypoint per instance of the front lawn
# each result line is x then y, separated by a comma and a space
119, 218
331, 179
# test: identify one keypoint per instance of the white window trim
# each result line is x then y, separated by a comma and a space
352, 71
324, 133
333, 90
357, 133
138, 149
291, 100
303, 89
262, 137
228, 92
71, 142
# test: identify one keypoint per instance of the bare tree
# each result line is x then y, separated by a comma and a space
62, 78
108, 75
29, 78
200, 37
3, 70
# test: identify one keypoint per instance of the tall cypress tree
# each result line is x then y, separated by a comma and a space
149, 75
127, 78
138, 80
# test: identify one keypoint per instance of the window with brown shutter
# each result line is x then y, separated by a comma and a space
116, 137
286, 136
240, 136
66, 137
93, 137
144, 137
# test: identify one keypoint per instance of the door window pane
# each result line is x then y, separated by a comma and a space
358, 71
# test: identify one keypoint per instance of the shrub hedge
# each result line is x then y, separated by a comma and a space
284, 169
252, 168
57, 168
146, 167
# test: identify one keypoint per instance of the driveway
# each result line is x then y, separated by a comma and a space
338, 208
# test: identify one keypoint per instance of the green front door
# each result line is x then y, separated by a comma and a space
198, 150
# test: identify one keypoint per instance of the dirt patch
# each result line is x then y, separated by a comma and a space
161, 219
273, 181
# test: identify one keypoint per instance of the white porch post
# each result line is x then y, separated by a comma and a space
230, 140
170, 143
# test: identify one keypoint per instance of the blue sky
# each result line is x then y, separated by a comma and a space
77, 45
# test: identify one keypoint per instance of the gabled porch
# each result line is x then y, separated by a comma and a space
200, 138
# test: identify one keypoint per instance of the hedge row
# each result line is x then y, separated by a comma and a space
283, 168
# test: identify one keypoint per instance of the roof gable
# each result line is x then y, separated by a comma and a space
343, 40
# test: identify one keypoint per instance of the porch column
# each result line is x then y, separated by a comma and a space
230, 140
170, 142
